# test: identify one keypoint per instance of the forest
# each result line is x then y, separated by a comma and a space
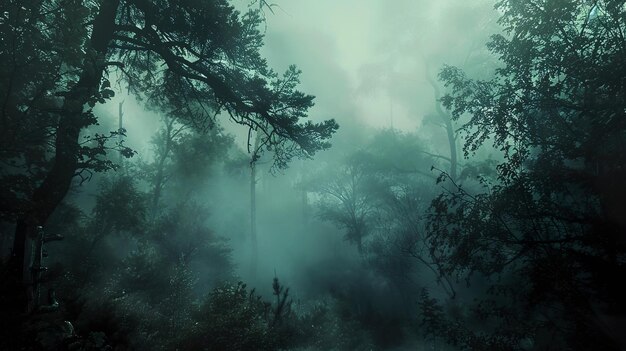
226, 175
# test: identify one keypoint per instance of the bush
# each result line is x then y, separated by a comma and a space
234, 318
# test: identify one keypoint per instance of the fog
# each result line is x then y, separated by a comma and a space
366, 64
364, 61
467, 201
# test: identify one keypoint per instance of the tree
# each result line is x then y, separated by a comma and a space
348, 202
119, 207
253, 222
376, 188
446, 122
184, 160
194, 59
163, 142
547, 232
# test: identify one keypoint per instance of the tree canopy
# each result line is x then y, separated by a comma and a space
551, 227
192, 60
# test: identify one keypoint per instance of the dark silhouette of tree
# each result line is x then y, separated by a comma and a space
163, 142
445, 120
377, 189
549, 233
348, 201
192, 59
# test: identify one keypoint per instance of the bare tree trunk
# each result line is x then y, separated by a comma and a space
119, 136
253, 229
159, 179
447, 122
452, 144
305, 206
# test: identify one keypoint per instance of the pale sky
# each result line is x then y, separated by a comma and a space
366, 55
362, 59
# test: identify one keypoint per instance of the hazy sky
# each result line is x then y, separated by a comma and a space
362, 59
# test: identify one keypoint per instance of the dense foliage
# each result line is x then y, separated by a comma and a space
548, 232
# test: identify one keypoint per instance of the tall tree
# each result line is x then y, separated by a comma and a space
369, 190
194, 59
552, 227
253, 222
164, 142
348, 201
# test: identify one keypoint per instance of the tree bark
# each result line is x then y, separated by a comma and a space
72, 120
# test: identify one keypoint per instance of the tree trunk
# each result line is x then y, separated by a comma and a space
72, 120
447, 121
119, 136
305, 207
159, 180
452, 143
253, 231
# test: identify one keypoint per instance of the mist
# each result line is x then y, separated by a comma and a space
354, 175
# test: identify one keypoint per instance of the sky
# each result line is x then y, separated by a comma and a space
364, 60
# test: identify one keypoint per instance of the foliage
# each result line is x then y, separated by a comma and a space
119, 206
41, 47
182, 234
140, 297
234, 318
191, 60
195, 154
376, 190
323, 328
461, 332
202, 45
548, 230
347, 202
